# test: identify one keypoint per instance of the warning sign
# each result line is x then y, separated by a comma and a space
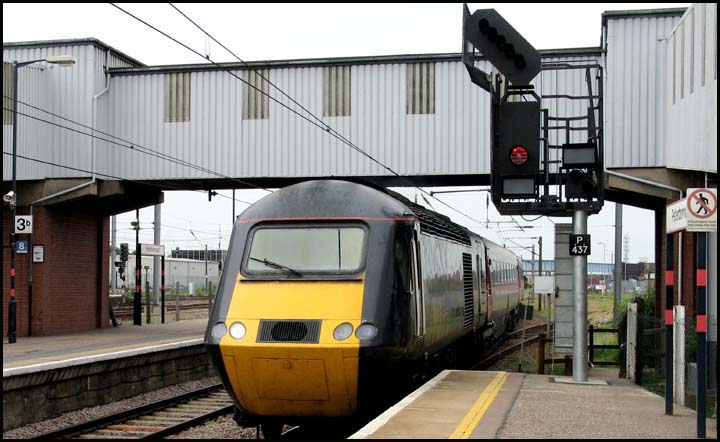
701, 210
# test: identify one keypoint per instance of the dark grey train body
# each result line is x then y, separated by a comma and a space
410, 288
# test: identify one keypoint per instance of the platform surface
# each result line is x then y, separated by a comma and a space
481, 405
35, 351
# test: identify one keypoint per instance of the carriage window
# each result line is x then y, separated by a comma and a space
294, 251
403, 258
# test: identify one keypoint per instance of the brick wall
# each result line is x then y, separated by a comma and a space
70, 288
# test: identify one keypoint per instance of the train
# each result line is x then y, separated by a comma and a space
336, 295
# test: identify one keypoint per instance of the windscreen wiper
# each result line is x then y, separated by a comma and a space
276, 265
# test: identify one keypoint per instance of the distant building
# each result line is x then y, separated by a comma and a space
217, 256
181, 271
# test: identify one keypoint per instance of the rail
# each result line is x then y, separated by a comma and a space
512, 347
154, 420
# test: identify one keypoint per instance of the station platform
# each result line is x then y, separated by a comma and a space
44, 352
502, 405
44, 376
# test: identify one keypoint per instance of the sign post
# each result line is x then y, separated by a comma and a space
696, 213
701, 218
580, 241
147, 250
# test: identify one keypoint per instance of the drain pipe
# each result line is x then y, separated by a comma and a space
92, 145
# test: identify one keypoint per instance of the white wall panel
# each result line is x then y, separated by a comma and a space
635, 90
691, 128
64, 91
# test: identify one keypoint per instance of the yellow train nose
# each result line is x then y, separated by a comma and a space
289, 362
280, 380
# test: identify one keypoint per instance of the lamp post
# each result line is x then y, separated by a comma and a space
63, 60
603, 268
610, 267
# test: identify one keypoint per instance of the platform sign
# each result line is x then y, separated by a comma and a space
579, 245
23, 224
38, 253
152, 250
21, 246
544, 284
701, 210
676, 216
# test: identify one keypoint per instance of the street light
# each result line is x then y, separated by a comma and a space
603, 268
63, 60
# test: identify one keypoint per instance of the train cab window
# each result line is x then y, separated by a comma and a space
296, 251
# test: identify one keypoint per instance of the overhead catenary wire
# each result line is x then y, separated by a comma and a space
78, 169
120, 232
130, 144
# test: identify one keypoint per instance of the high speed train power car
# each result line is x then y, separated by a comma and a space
335, 294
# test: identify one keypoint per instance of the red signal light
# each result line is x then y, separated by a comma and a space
518, 155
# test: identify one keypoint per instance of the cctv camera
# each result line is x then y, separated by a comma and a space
9, 197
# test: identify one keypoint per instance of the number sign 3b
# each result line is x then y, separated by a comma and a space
23, 224
579, 245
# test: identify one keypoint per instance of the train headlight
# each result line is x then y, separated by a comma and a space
237, 330
343, 331
218, 330
366, 332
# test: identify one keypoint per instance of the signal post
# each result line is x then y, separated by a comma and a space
525, 179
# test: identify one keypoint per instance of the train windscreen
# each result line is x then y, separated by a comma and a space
308, 249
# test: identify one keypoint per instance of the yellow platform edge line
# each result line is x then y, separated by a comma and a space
472, 418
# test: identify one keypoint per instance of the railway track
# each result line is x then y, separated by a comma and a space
127, 312
512, 344
154, 420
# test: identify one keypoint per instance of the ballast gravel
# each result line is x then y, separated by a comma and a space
84, 414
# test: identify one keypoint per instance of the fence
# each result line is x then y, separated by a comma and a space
593, 346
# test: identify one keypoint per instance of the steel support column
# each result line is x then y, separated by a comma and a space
579, 369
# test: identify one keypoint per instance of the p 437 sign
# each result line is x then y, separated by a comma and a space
579, 245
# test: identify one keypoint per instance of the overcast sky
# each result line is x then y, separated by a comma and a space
293, 31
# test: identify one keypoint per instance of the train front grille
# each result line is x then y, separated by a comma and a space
307, 331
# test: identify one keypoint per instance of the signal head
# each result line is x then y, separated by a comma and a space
503, 46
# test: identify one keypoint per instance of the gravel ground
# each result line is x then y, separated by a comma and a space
75, 417
223, 427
